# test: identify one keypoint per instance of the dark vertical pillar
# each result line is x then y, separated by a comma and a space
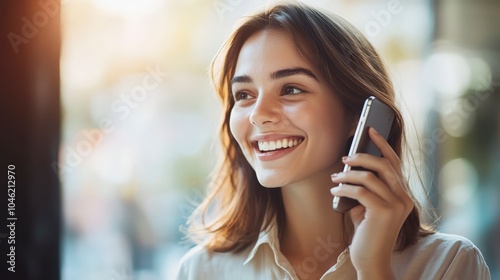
29, 139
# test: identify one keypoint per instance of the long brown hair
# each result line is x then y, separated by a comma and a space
237, 208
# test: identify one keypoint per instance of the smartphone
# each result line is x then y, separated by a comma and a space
375, 114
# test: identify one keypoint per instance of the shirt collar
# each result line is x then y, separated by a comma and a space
270, 237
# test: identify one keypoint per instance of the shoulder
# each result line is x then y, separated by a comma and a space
438, 246
201, 263
448, 242
445, 255
195, 256
195, 260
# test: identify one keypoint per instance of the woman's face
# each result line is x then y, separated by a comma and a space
289, 124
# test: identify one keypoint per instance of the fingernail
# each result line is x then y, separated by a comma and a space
375, 131
334, 175
346, 158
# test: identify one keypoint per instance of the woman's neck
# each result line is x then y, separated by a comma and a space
311, 223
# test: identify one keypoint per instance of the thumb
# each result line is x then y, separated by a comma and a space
357, 214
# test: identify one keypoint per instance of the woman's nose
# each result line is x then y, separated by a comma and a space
266, 110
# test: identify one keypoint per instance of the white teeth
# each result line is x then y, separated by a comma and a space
285, 143
265, 146
278, 144
272, 145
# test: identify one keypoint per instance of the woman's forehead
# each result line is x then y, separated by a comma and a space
269, 51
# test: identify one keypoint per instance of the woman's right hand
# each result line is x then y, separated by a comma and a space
384, 206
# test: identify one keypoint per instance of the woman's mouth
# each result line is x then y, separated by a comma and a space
269, 150
280, 144
269, 147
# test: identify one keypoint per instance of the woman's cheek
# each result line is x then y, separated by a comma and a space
237, 125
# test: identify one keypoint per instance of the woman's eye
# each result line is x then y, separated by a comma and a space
292, 90
240, 95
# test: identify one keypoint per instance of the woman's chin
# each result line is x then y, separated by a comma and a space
271, 182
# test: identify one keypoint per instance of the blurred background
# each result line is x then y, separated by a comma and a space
139, 118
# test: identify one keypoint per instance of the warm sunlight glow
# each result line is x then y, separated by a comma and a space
128, 8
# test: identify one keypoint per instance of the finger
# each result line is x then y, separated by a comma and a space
366, 179
372, 201
365, 197
381, 166
357, 214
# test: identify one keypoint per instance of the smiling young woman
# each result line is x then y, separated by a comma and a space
293, 81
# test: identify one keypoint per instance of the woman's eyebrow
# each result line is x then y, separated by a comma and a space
241, 79
291, 72
276, 75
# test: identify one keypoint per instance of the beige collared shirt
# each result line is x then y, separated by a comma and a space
437, 256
